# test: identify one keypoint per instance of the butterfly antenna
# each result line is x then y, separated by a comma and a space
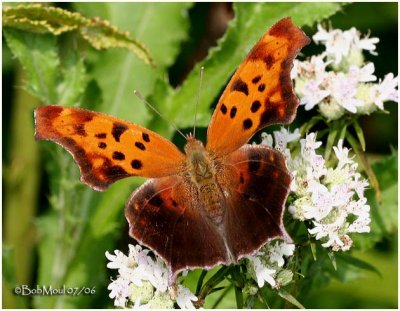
138, 95
197, 100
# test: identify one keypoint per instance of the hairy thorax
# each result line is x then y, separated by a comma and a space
203, 175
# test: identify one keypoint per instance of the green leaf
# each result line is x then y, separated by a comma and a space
73, 80
99, 33
40, 19
119, 72
38, 56
333, 133
239, 297
250, 23
332, 258
288, 297
384, 214
356, 262
360, 134
366, 165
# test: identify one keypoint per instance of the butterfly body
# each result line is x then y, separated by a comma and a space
213, 204
201, 170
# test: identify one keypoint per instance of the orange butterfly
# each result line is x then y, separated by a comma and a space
213, 204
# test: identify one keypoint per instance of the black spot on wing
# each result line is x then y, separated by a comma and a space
140, 145
240, 86
269, 61
146, 137
232, 114
256, 79
80, 129
101, 135
255, 106
247, 124
115, 171
261, 87
117, 130
102, 145
136, 164
223, 109
118, 156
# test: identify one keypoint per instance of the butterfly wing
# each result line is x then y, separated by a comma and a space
260, 93
258, 182
165, 214
107, 148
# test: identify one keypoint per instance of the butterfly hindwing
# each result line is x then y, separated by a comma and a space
260, 92
258, 182
166, 215
107, 148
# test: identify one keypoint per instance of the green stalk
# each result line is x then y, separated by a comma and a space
21, 180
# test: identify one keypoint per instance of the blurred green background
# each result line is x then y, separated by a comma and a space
26, 189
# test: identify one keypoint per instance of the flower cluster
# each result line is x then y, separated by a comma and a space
267, 265
143, 282
348, 86
331, 198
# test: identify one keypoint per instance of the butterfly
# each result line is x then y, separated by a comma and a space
215, 203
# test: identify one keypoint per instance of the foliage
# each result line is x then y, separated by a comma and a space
55, 48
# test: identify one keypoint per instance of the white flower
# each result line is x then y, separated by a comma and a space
137, 305
363, 74
279, 250
262, 272
312, 94
283, 137
266, 139
368, 44
185, 298
343, 89
347, 88
386, 90
337, 42
331, 231
342, 154
117, 261
309, 144
143, 281
327, 196
120, 290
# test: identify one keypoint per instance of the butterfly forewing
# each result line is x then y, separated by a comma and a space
260, 92
107, 148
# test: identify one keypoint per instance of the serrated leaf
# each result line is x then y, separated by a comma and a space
38, 56
99, 33
40, 19
251, 21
